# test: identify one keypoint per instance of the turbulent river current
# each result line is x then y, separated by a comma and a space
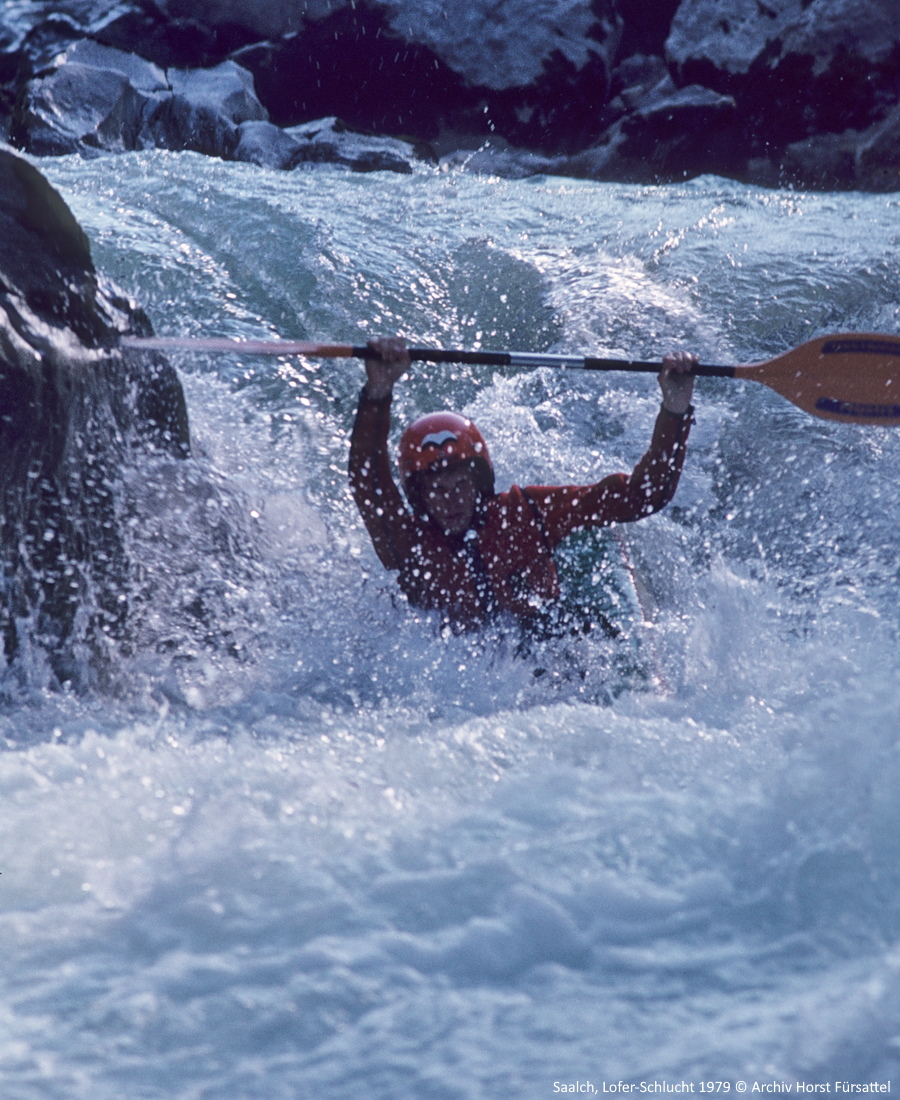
309, 846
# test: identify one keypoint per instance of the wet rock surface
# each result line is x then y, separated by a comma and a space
796, 92
325, 141
810, 77
74, 410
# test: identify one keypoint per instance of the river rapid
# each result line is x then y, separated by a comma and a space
308, 846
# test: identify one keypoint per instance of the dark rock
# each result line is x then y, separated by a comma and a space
647, 24
172, 43
143, 75
867, 160
265, 144
329, 140
262, 18
205, 109
877, 159
822, 161
19, 17
33, 34
557, 79
636, 81
669, 134
353, 66
98, 98
795, 67
816, 83
537, 77
73, 411
498, 158
43, 43
542, 70
489, 44
325, 141
639, 74
94, 98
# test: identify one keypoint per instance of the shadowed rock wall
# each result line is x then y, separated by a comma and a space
801, 92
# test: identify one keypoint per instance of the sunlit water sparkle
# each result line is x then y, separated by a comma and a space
312, 847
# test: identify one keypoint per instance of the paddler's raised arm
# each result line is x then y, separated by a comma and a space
622, 498
652, 483
381, 506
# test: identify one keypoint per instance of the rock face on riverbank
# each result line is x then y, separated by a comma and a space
74, 410
786, 92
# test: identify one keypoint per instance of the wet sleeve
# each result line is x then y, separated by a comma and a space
619, 498
377, 497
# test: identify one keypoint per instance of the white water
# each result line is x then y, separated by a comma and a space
311, 848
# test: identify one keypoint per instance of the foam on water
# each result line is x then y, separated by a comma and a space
314, 847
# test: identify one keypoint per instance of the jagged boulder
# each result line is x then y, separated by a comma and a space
330, 140
74, 410
781, 91
33, 32
205, 109
795, 67
262, 142
93, 97
98, 98
866, 160
324, 141
536, 74
663, 133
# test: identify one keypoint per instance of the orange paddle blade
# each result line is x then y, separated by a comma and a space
852, 377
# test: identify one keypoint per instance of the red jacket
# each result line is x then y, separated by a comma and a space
505, 563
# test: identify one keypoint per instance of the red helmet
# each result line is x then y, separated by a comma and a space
439, 441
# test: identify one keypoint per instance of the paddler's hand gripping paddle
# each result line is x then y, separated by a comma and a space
851, 377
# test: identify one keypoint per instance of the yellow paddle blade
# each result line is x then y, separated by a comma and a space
851, 377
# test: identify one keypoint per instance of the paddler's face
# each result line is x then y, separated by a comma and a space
451, 497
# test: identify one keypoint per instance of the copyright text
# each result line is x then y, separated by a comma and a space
802, 1088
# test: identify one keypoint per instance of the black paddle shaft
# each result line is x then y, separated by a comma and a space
538, 359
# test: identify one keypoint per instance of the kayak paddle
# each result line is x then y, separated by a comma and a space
850, 377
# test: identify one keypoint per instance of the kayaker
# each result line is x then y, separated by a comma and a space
459, 546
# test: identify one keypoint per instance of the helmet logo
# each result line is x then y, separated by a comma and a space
437, 439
